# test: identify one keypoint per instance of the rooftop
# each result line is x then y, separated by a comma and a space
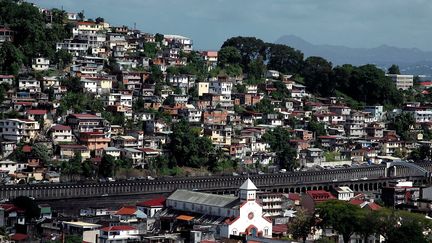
204, 198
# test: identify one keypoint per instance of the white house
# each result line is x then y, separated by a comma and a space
32, 85
9, 166
19, 129
119, 233
344, 193
61, 134
113, 151
40, 64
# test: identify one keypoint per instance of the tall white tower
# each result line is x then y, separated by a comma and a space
248, 191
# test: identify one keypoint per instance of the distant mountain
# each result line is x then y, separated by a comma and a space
410, 60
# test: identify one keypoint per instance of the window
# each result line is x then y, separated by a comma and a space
266, 231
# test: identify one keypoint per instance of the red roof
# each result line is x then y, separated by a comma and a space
426, 83
26, 103
7, 76
27, 148
119, 228
73, 146
320, 195
155, 202
37, 112
280, 228
19, 237
294, 196
9, 207
129, 210
84, 116
356, 201
373, 206
60, 127
149, 150
86, 23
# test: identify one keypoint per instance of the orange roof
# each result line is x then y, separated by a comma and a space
129, 210
185, 217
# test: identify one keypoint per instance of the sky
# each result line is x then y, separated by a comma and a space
353, 23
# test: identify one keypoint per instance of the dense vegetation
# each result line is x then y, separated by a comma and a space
36, 35
366, 84
348, 219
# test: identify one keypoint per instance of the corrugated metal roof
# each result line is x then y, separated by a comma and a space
204, 198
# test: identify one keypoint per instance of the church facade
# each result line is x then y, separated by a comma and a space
243, 214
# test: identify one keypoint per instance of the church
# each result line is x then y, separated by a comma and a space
233, 215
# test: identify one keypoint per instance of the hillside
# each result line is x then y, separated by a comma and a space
411, 60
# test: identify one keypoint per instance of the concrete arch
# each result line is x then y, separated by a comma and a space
420, 170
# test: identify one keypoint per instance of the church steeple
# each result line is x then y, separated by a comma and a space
248, 191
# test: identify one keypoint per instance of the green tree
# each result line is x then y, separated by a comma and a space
228, 56
317, 73
318, 128
265, 106
284, 59
81, 15
99, 20
11, 58
88, 168
107, 166
341, 216
301, 225
42, 152
281, 92
62, 58
72, 168
278, 139
159, 38
421, 153
32, 211
393, 69
367, 223
150, 49
402, 124
251, 49
188, 148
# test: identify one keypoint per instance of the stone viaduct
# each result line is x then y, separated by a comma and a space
367, 178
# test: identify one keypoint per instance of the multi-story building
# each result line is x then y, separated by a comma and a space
182, 42
133, 154
124, 99
61, 134
119, 233
68, 151
6, 34
403, 82
125, 142
273, 204
32, 85
95, 141
88, 123
401, 192
40, 64
75, 47
19, 129
8, 79
354, 125
312, 157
